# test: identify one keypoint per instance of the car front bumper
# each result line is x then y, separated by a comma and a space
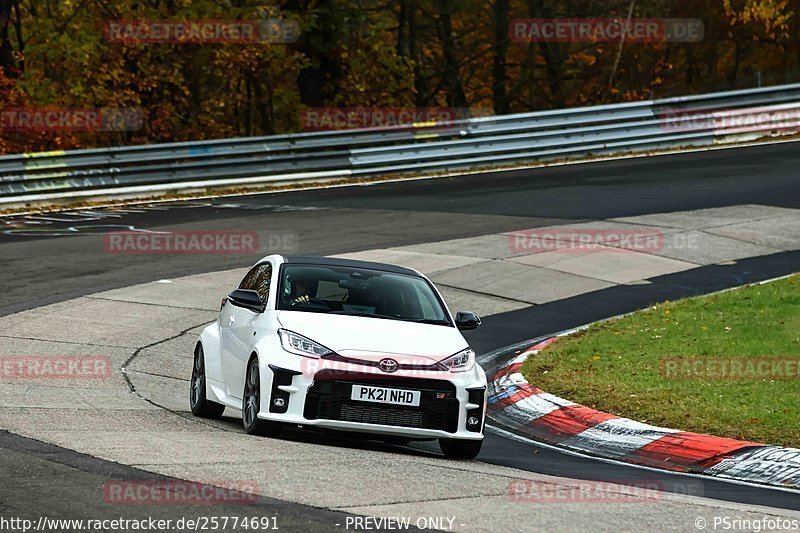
316, 393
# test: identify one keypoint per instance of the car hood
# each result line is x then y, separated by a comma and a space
354, 335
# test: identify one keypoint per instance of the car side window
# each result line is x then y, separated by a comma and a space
249, 280
258, 279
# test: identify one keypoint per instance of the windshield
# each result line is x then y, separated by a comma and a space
360, 292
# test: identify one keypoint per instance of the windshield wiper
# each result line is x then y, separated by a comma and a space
349, 313
376, 315
433, 321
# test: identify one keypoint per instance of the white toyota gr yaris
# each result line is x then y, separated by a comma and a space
345, 345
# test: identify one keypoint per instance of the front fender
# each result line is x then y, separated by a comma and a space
212, 348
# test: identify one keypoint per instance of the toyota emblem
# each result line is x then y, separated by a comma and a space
388, 365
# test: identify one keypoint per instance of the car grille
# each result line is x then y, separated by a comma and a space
380, 415
329, 399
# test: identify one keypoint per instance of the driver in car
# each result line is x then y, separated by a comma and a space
302, 292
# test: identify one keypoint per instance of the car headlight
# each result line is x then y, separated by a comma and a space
299, 345
459, 362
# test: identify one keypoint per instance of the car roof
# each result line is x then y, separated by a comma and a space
352, 263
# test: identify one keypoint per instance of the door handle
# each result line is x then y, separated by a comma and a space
231, 320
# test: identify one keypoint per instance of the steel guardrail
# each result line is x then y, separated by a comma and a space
633, 127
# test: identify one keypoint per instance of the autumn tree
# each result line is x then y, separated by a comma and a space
374, 53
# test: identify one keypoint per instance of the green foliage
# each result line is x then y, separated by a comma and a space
620, 366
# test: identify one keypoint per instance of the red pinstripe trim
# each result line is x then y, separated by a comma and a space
687, 452
565, 423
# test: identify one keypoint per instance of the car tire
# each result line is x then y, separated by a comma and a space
201, 406
460, 449
251, 404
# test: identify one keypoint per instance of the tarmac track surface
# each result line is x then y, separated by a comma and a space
58, 257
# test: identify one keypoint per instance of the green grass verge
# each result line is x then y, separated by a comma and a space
626, 366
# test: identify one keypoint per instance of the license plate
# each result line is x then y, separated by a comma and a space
364, 393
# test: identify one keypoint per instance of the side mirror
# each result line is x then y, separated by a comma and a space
247, 299
467, 320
